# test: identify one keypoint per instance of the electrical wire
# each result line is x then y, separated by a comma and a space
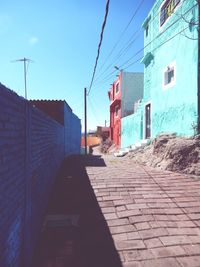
123, 32
123, 65
129, 45
100, 43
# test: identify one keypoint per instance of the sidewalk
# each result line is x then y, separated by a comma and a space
128, 216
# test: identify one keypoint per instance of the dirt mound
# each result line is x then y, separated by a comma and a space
169, 152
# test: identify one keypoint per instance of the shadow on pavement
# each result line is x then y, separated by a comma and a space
87, 243
94, 161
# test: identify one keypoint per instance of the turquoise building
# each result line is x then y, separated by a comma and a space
170, 102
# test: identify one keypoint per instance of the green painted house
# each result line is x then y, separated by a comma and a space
170, 102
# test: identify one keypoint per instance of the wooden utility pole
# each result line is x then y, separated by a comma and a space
198, 73
85, 113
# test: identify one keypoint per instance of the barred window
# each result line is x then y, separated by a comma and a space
167, 10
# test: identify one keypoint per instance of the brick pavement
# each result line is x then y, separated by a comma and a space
130, 216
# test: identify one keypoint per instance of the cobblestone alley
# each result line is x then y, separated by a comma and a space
118, 214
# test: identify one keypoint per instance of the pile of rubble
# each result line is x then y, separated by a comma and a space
170, 152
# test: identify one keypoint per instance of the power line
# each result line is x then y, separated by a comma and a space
122, 51
160, 34
123, 65
131, 40
100, 42
123, 32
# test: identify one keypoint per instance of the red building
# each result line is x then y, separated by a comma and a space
115, 111
126, 90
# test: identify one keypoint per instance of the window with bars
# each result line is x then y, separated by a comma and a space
167, 10
169, 75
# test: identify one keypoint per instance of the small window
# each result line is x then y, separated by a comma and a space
167, 10
117, 111
169, 75
117, 88
147, 30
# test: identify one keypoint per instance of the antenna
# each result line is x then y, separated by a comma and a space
25, 71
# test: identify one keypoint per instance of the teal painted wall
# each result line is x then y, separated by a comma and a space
173, 109
132, 128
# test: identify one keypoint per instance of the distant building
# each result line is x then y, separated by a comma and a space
60, 111
103, 132
124, 94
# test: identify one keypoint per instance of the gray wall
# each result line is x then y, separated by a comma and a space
132, 91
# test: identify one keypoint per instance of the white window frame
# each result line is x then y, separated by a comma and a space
161, 26
166, 69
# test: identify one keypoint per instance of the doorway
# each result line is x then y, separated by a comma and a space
147, 121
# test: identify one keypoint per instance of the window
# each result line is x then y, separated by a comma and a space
117, 111
169, 75
167, 9
147, 30
117, 88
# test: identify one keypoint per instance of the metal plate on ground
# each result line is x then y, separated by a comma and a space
61, 220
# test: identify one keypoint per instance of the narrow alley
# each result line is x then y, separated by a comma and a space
109, 212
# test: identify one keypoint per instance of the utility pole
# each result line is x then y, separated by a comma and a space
105, 123
85, 113
198, 72
24, 60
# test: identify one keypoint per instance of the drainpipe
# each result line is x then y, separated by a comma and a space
198, 86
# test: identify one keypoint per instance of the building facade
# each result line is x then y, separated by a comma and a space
124, 95
170, 68
171, 97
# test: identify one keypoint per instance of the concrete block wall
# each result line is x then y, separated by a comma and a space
12, 177
132, 128
75, 134
32, 147
72, 131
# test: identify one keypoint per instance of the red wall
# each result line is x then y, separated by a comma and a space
115, 121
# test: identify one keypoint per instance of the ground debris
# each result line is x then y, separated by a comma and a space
171, 152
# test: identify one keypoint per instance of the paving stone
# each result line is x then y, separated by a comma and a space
128, 213
122, 229
132, 264
165, 262
183, 231
151, 233
142, 226
133, 235
192, 261
110, 216
168, 251
175, 240
117, 222
153, 243
192, 249
130, 244
143, 254
108, 209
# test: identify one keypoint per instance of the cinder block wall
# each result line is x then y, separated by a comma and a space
31, 151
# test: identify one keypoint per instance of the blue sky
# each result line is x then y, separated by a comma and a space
61, 37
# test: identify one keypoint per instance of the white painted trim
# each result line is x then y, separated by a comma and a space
161, 27
170, 85
144, 121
